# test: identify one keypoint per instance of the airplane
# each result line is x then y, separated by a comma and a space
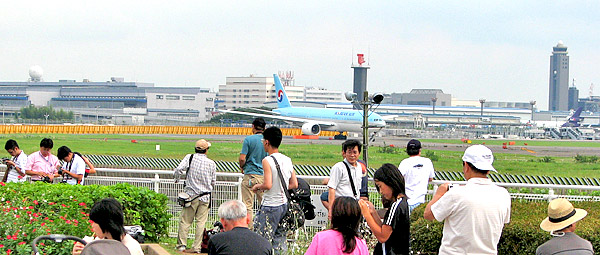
575, 119
314, 120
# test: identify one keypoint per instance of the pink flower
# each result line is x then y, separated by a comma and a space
31, 207
63, 205
35, 202
68, 221
8, 251
2, 183
82, 204
1, 245
21, 243
17, 216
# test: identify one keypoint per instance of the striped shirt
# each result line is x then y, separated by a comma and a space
201, 176
20, 161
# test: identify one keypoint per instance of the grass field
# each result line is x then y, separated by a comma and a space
307, 154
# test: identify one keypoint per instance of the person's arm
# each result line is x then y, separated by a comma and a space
331, 197
442, 189
184, 164
268, 177
380, 230
293, 181
242, 162
5, 175
89, 164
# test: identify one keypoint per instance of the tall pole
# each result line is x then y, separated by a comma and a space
532, 102
365, 103
482, 101
2, 114
96, 115
46, 116
433, 100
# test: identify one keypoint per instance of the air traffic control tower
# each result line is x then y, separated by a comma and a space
360, 79
559, 79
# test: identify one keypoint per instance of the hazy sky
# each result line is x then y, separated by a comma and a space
498, 50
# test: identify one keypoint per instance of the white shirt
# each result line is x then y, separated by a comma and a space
76, 166
20, 161
416, 171
276, 196
340, 182
473, 216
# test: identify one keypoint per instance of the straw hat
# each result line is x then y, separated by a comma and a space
561, 214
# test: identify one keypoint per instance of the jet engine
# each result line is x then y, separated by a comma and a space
311, 128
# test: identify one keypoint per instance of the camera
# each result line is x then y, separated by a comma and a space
5, 159
46, 179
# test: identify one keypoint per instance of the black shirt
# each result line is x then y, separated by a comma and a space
398, 218
239, 241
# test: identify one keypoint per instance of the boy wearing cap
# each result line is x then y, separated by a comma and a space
473, 214
561, 221
201, 178
417, 172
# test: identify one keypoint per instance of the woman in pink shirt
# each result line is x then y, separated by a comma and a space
342, 238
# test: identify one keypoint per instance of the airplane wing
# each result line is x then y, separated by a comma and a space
295, 120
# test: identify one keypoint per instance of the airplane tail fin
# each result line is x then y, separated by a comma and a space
281, 96
575, 119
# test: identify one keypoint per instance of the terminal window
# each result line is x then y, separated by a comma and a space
172, 97
189, 98
159, 96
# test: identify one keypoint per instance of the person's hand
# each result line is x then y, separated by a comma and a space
77, 248
255, 188
9, 163
366, 207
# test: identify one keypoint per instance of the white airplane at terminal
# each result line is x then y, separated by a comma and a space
313, 120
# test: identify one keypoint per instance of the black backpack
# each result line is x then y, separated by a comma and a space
301, 195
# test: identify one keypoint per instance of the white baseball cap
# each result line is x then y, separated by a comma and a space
480, 156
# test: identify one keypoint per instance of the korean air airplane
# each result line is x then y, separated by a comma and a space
313, 120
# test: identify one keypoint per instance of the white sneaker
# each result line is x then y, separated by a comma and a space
181, 248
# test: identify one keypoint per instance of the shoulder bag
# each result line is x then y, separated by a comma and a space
294, 217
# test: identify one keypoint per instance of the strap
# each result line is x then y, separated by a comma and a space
351, 180
283, 184
200, 195
188, 169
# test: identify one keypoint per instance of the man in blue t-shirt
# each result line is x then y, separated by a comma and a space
250, 161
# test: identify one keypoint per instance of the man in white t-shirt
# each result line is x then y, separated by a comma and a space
14, 166
474, 214
418, 172
339, 181
73, 170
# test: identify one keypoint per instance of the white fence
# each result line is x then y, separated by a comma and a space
228, 187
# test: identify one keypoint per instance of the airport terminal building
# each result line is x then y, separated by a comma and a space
115, 101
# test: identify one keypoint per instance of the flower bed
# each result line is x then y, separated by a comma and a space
28, 210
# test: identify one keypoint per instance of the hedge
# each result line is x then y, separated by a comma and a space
29, 210
521, 236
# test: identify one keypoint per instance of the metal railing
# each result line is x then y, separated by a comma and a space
228, 187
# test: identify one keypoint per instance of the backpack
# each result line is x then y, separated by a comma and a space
301, 195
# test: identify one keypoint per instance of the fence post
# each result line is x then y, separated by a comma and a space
550, 194
239, 189
156, 183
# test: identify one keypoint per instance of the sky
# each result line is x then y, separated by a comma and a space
497, 50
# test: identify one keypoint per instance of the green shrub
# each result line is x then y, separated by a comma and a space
521, 236
29, 210
586, 159
546, 159
431, 155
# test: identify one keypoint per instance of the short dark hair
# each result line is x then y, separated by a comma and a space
475, 168
274, 136
345, 218
350, 144
11, 145
259, 123
108, 214
390, 176
47, 143
197, 150
63, 152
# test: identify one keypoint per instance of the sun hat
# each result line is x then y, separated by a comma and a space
561, 214
480, 156
202, 144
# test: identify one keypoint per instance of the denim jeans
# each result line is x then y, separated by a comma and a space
266, 224
412, 207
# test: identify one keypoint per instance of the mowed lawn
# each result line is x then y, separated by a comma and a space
310, 154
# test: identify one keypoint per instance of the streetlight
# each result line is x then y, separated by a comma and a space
46, 116
97, 114
532, 103
433, 100
482, 101
365, 104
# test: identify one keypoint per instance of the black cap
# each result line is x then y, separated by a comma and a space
413, 144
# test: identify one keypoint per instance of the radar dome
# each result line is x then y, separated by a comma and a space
36, 72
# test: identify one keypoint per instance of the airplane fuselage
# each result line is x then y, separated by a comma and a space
346, 120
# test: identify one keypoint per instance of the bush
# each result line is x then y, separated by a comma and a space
546, 159
521, 236
431, 155
586, 159
29, 210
